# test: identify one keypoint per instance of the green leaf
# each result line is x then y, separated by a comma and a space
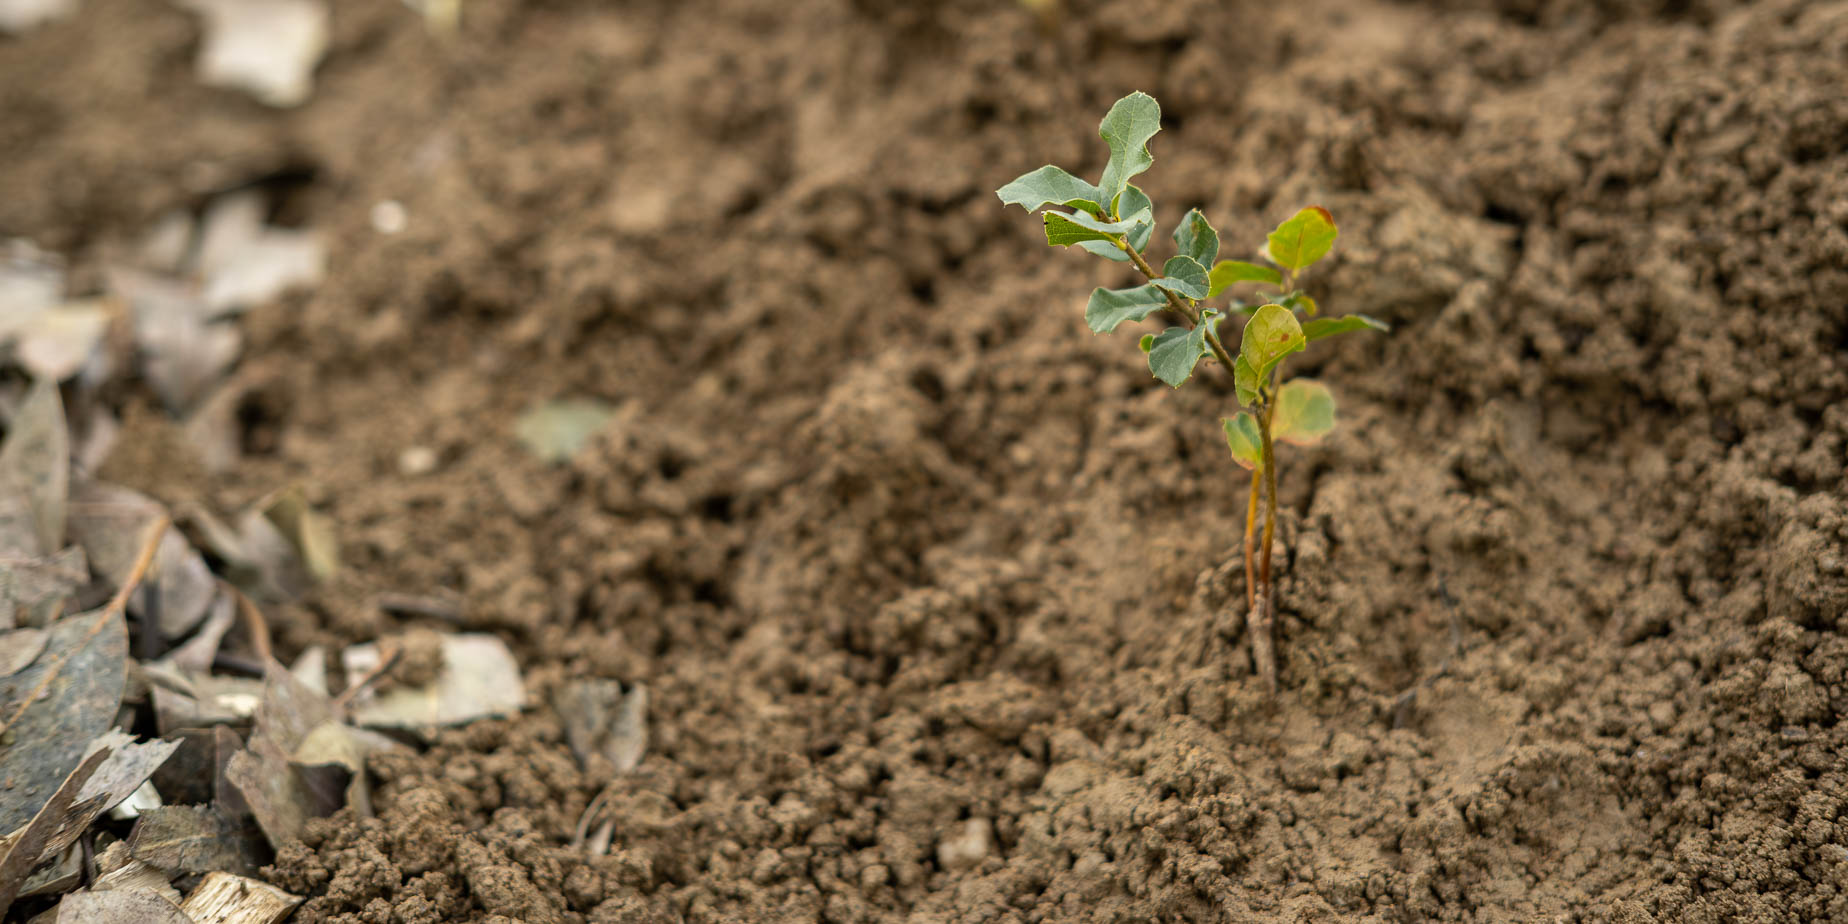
1230, 272
1246, 442
1147, 341
1175, 351
1328, 327
1302, 239
1133, 201
1196, 238
1305, 412
1246, 380
1050, 185
1300, 301
1127, 128
1110, 307
1182, 275
1065, 229
1272, 333
556, 430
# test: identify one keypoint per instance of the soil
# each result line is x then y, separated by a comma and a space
936, 594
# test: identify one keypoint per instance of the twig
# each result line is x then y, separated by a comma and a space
386, 663
116, 605
418, 605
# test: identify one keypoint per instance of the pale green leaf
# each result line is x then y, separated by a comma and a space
1305, 412
1328, 327
1110, 307
1050, 185
1065, 229
1302, 239
1127, 128
1132, 202
1195, 238
1174, 353
556, 430
1272, 333
1246, 381
1246, 442
1182, 275
1231, 272
1300, 301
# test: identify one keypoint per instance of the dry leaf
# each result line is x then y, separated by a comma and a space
60, 342
109, 521
310, 670
19, 648
31, 280
61, 875
17, 16
145, 798
129, 765
246, 263
307, 530
629, 736
33, 590
339, 743
195, 699
26, 846
36, 460
267, 48
600, 722
184, 354
479, 678
277, 793
191, 839
197, 653
52, 733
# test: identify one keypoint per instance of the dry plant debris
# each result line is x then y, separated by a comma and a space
110, 617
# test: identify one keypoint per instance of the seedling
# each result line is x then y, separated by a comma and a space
1115, 220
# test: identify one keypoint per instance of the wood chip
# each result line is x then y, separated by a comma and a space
226, 899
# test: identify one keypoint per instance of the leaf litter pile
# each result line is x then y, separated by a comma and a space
153, 751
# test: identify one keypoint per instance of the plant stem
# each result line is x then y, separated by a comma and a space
1184, 310
1263, 612
1251, 526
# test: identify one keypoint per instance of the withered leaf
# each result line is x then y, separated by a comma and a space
479, 678
109, 521
27, 845
19, 648
191, 839
36, 460
129, 765
50, 735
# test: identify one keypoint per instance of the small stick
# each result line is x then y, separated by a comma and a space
416, 605
149, 545
386, 663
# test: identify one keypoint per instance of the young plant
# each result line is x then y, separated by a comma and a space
1115, 220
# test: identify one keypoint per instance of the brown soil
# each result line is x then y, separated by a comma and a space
932, 588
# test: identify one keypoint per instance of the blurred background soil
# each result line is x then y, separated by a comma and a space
937, 594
